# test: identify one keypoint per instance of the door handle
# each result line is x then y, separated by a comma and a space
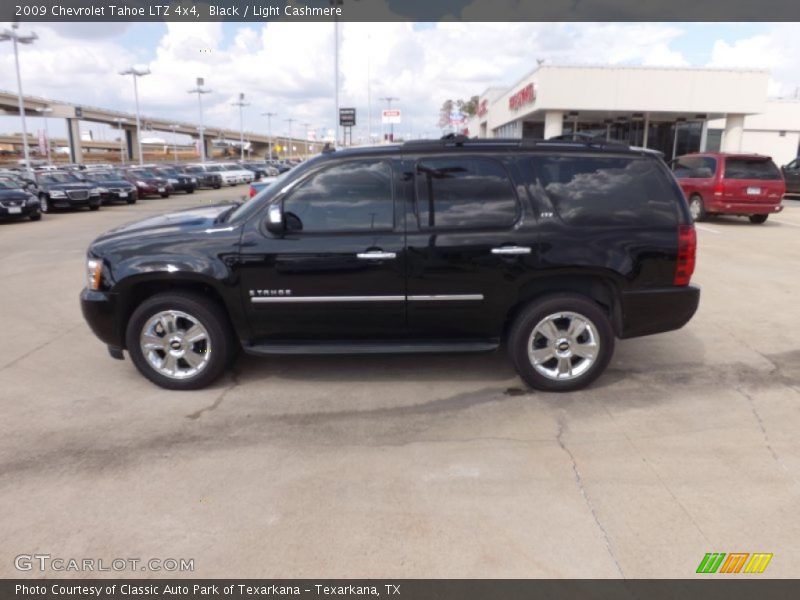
511, 250
376, 255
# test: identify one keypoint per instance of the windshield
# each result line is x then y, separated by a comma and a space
257, 201
146, 173
106, 176
58, 178
9, 184
167, 171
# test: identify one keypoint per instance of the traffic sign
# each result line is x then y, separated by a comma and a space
391, 116
347, 117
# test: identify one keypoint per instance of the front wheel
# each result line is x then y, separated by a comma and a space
561, 343
44, 204
94, 206
758, 219
37, 216
179, 341
165, 195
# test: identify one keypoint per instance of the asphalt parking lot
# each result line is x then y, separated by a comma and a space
412, 466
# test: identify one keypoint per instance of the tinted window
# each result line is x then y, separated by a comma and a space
605, 190
694, 167
355, 196
743, 168
464, 193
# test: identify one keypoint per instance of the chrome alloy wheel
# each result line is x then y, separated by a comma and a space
563, 346
695, 208
175, 344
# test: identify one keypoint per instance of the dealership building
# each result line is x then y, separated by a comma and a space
673, 110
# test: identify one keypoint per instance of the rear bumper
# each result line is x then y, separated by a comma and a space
644, 312
99, 311
744, 208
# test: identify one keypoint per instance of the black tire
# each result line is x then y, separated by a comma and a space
535, 313
217, 186
190, 190
131, 200
165, 195
44, 203
696, 201
205, 311
37, 216
758, 219
94, 206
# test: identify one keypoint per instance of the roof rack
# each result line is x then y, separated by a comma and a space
453, 140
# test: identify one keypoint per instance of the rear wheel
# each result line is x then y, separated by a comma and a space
94, 206
561, 343
190, 190
758, 219
696, 208
131, 200
180, 341
44, 203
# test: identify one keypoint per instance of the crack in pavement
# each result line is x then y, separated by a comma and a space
587, 501
40, 346
214, 405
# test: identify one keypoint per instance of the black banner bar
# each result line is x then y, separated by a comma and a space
397, 10
712, 588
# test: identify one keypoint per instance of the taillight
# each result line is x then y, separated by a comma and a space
687, 253
252, 191
719, 188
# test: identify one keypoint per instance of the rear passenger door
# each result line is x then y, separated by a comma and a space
470, 239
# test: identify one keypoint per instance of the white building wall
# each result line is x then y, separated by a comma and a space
782, 149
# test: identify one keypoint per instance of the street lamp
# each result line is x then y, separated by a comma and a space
119, 121
199, 90
137, 72
269, 116
17, 38
306, 126
290, 121
173, 127
336, 3
241, 104
44, 111
389, 100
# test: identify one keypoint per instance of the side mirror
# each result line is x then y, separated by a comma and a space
275, 221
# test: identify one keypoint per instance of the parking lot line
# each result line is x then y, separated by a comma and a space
707, 228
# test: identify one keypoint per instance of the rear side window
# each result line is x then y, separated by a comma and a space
607, 190
744, 168
694, 167
464, 193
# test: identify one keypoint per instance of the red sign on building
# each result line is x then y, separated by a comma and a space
525, 96
483, 108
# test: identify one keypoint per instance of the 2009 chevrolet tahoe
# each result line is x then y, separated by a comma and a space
453, 245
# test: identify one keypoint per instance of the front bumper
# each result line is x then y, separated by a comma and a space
644, 312
10, 212
74, 203
99, 311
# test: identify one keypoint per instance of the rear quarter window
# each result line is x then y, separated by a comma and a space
744, 168
607, 190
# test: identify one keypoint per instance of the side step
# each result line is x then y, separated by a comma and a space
278, 347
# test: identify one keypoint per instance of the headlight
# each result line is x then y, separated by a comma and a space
94, 273
194, 179
100, 190
57, 194
173, 180
141, 184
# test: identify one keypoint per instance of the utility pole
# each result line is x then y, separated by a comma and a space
241, 104
136, 73
16, 38
199, 90
336, 3
44, 111
269, 116
174, 143
122, 143
306, 126
290, 121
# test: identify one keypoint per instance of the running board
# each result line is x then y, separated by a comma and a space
278, 347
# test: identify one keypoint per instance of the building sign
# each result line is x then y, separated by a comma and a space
483, 108
390, 116
524, 96
347, 117
457, 118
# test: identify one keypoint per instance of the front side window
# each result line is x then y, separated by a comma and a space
607, 190
354, 196
464, 193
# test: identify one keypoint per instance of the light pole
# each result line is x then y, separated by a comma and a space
119, 121
241, 104
336, 3
44, 112
305, 143
200, 90
389, 100
136, 73
290, 121
17, 38
173, 127
269, 116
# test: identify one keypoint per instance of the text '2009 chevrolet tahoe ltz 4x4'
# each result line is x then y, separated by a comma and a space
556, 248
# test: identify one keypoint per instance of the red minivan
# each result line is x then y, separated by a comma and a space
747, 185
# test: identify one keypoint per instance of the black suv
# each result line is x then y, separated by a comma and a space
556, 248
